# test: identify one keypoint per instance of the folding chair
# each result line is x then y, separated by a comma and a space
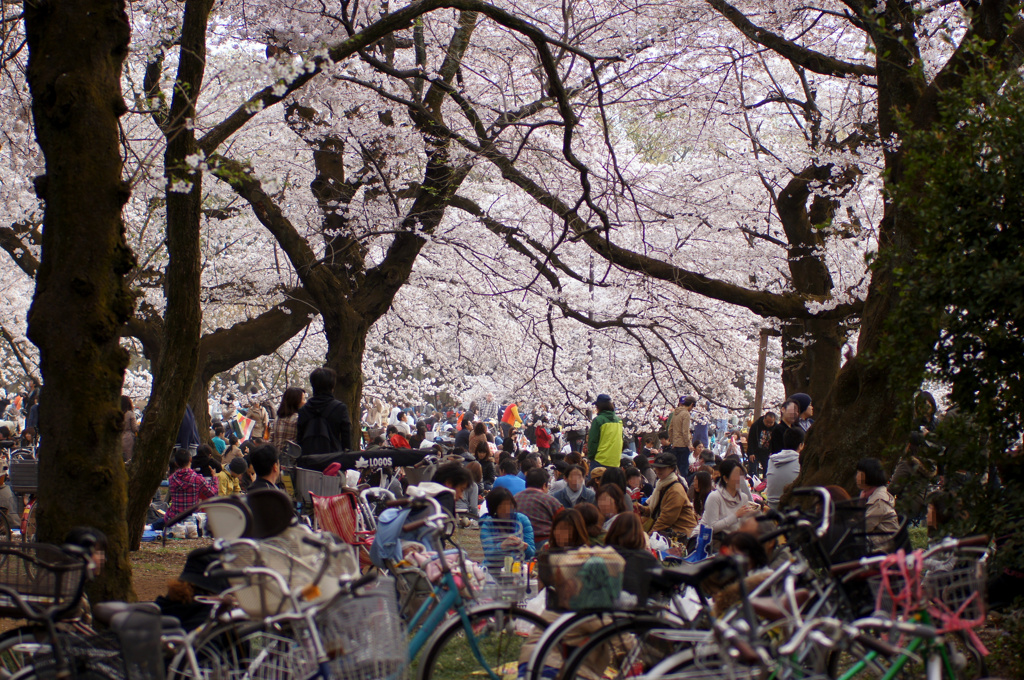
340, 515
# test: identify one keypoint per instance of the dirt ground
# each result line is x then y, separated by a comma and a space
154, 565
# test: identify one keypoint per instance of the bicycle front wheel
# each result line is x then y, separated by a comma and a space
625, 649
250, 650
13, 659
496, 631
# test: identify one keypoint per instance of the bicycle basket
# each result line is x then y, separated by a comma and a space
86, 657
501, 555
277, 652
582, 580
298, 563
957, 596
363, 635
43, 575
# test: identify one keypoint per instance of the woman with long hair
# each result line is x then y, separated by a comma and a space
593, 521
568, 531
287, 422
610, 502
483, 456
701, 489
727, 506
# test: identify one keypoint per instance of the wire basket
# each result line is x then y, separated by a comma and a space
957, 597
43, 575
84, 656
363, 635
585, 579
272, 653
501, 554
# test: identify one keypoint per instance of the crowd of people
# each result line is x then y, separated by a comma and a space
563, 484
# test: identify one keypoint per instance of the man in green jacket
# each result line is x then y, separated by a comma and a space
604, 445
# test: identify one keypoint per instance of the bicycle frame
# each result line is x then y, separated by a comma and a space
444, 598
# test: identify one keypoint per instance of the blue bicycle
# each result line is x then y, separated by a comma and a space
454, 635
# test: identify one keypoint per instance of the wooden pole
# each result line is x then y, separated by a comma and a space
762, 358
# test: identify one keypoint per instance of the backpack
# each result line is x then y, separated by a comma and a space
318, 437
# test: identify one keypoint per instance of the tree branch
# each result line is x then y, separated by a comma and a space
10, 240
799, 55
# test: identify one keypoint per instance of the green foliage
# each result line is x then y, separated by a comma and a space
966, 280
959, 296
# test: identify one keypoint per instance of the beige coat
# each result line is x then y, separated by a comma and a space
679, 430
880, 519
676, 511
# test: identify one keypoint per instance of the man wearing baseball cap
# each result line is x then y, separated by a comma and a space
604, 445
669, 507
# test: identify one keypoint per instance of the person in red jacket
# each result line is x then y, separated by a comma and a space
544, 440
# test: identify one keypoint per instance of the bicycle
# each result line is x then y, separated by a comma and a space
650, 633
45, 584
483, 637
913, 635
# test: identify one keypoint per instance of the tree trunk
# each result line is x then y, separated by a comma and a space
858, 417
346, 345
76, 52
812, 353
174, 376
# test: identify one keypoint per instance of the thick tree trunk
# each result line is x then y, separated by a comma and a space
858, 417
76, 53
812, 354
346, 345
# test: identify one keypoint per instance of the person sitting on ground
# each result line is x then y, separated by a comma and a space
669, 509
557, 469
483, 455
228, 478
397, 439
509, 478
575, 491
185, 487
568, 531
616, 476
265, 466
469, 502
593, 521
233, 450
206, 461
880, 519
636, 486
626, 535
218, 440
536, 503
610, 502
703, 485
729, 504
505, 531
180, 602
530, 461
455, 477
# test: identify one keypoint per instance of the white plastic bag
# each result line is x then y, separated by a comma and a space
658, 542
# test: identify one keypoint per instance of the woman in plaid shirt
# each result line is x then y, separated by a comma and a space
286, 426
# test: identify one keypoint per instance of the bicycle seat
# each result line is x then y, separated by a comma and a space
104, 612
691, 574
769, 609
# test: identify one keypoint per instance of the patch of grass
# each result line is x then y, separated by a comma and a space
918, 537
1005, 645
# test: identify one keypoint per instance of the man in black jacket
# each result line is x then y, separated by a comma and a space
759, 440
324, 425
